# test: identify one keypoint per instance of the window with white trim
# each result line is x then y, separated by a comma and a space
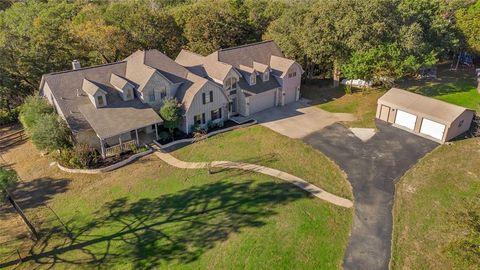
253, 79
216, 114
151, 96
163, 92
266, 76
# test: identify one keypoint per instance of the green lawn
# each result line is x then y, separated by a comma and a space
149, 215
437, 210
456, 87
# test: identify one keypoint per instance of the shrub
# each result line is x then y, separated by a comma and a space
211, 125
163, 135
33, 108
81, 156
9, 117
220, 124
50, 132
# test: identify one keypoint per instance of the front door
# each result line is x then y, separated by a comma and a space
233, 106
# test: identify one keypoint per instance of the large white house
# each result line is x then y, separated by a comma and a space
111, 106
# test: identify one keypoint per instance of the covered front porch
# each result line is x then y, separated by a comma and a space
127, 141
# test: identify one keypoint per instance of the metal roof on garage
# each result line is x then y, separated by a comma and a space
434, 109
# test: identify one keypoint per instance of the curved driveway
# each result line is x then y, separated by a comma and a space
372, 168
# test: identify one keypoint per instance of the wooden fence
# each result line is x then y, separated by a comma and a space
12, 138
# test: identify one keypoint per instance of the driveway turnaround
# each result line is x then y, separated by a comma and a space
299, 119
314, 190
372, 168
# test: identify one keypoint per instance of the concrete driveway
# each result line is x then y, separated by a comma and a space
299, 119
372, 168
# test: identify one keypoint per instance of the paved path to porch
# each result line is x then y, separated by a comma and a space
314, 190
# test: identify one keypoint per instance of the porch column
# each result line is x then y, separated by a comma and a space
156, 132
102, 146
136, 134
120, 140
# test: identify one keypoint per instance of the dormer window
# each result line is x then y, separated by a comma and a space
129, 94
266, 76
253, 79
100, 101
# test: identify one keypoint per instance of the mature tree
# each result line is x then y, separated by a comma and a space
171, 114
34, 41
468, 20
286, 32
380, 64
8, 178
34, 108
427, 29
214, 25
50, 133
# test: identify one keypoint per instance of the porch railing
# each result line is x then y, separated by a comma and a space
120, 148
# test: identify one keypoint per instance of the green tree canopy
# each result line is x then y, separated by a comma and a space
7, 179
50, 133
171, 114
34, 108
468, 20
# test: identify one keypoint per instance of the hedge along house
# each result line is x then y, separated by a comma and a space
114, 106
428, 117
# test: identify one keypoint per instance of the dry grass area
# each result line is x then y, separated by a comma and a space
430, 205
149, 215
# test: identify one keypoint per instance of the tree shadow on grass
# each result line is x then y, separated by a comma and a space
171, 229
35, 193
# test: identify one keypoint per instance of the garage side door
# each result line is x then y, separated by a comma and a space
432, 128
263, 101
405, 119
290, 95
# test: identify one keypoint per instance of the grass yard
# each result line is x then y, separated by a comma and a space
437, 209
149, 215
456, 87
362, 103
260, 145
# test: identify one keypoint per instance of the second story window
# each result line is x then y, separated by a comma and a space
266, 76
129, 94
293, 74
230, 84
151, 96
163, 92
253, 79
207, 97
100, 101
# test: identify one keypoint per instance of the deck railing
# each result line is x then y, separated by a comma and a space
120, 148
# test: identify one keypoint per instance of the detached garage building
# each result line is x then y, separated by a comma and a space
428, 117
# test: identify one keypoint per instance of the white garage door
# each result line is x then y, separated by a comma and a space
405, 119
432, 128
262, 101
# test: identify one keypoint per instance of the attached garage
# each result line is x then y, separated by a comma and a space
427, 117
262, 101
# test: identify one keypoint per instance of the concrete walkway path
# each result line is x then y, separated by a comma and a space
314, 190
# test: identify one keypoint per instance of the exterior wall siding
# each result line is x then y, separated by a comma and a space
197, 107
242, 103
457, 129
290, 85
155, 83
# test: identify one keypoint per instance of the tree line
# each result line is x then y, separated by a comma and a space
368, 39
